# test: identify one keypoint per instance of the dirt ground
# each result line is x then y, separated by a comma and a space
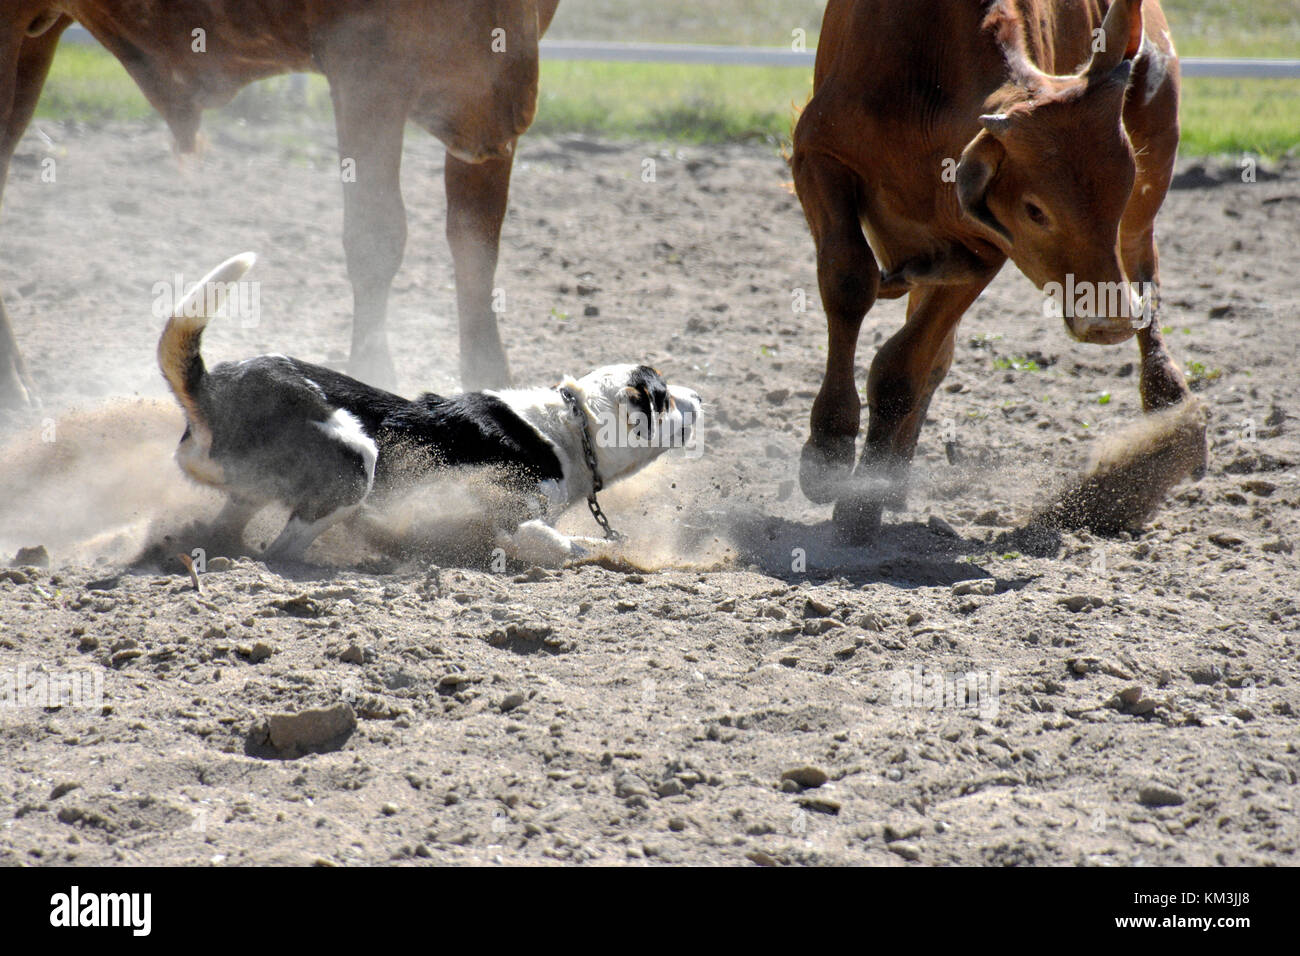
755, 694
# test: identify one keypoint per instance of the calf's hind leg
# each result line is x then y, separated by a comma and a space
849, 280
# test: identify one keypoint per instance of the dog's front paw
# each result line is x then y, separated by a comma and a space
537, 543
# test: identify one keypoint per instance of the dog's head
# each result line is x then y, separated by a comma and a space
634, 416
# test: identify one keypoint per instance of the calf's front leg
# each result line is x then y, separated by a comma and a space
849, 280
903, 377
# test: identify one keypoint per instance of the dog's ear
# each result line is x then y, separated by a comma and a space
637, 409
651, 383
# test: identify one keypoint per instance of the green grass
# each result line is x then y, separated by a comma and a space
1261, 117
1015, 364
718, 104
681, 102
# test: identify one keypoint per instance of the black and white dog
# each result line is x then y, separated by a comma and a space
275, 429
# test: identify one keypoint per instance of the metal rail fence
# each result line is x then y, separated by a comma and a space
705, 55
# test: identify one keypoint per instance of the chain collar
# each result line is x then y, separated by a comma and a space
575, 405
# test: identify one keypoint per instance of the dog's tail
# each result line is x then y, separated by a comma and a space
178, 347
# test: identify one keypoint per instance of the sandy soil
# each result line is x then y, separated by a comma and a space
755, 694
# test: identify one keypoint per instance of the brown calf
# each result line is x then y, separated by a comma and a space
944, 137
465, 71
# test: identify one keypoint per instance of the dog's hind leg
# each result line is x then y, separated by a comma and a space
227, 529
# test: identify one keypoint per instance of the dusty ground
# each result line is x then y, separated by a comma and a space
604, 716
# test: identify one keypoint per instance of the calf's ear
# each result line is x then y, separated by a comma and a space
979, 164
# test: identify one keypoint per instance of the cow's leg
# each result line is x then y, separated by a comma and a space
903, 377
849, 280
476, 206
1162, 382
24, 64
370, 113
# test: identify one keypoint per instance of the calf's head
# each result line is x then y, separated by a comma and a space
1048, 178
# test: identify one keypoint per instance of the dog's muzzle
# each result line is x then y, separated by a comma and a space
685, 416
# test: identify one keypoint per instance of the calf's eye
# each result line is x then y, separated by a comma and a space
1036, 215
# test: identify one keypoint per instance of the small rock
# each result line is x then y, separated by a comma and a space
821, 805
1205, 673
814, 608
511, 701
1129, 696
671, 788
219, 564
989, 519
1158, 795
299, 606
901, 831
806, 777
33, 557
1080, 602
676, 824
1277, 546
907, 851
388, 809
1259, 487
122, 658
983, 586
352, 654
630, 785
1227, 539
260, 652
315, 729
940, 527
63, 788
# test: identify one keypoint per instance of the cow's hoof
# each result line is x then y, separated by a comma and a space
825, 468
857, 520
374, 368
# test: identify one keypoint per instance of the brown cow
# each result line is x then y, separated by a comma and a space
466, 72
1062, 172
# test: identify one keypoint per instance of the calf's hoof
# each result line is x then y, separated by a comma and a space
824, 468
857, 519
